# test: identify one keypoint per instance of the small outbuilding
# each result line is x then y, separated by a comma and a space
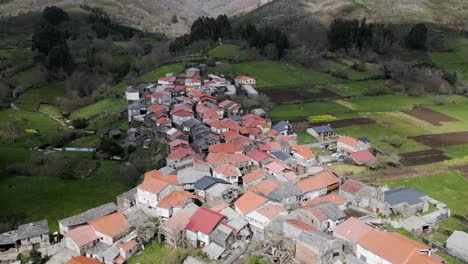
457, 245
321, 132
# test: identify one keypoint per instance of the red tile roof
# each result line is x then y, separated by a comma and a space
219, 159
228, 171
348, 141
258, 155
155, 182
332, 197
272, 210
254, 175
82, 235
362, 156
249, 201
304, 151
175, 199
352, 229
111, 225
204, 220
317, 182
83, 260
396, 248
225, 148
301, 225
264, 187
352, 186
129, 245
277, 167
180, 153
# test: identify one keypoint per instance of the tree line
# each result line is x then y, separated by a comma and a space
268, 40
360, 35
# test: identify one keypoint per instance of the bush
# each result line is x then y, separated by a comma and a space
19, 169
80, 123
394, 141
340, 74
376, 91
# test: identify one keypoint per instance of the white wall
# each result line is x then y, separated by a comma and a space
370, 257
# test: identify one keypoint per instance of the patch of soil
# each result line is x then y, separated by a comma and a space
423, 157
442, 140
463, 170
289, 95
432, 117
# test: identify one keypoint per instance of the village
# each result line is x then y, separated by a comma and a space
236, 184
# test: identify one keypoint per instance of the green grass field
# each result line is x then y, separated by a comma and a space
291, 111
10, 155
305, 138
271, 74
108, 105
49, 93
26, 78
50, 110
227, 51
47, 128
39, 197
89, 141
357, 88
160, 72
353, 74
456, 61
449, 188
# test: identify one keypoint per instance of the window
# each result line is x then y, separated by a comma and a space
363, 258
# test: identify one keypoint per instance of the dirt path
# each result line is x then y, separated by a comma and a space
397, 174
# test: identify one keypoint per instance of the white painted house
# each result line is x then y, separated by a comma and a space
131, 94
350, 145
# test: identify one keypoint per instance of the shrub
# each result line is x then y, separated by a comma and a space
394, 141
376, 91
340, 74
80, 123
19, 169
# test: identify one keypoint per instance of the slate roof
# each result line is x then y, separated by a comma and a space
9, 237
459, 239
283, 190
403, 195
33, 229
316, 239
323, 129
280, 155
207, 181
281, 126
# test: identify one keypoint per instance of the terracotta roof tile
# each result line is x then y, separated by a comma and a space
225, 148
83, 260
332, 197
264, 187
249, 201
352, 186
228, 170
277, 167
129, 245
111, 225
272, 210
254, 175
317, 182
396, 248
352, 229
350, 141
82, 235
301, 225
219, 159
175, 199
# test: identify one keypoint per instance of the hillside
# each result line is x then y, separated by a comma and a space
146, 15
290, 13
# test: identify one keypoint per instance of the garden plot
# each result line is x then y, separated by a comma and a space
423, 157
433, 117
442, 140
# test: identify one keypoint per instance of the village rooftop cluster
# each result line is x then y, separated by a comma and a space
234, 179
